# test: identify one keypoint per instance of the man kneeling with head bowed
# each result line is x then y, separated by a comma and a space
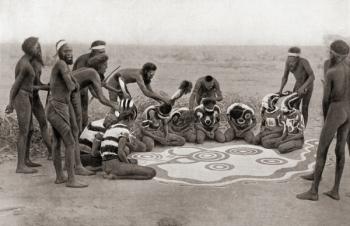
156, 121
271, 130
207, 120
112, 143
242, 120
293, 125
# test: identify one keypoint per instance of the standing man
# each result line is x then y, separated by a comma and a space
21, 100
89, 60
206, 87
142, 77
60, 114
304, 76
336, 111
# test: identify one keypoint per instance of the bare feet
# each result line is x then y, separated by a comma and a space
75, 184
80, 170
29, 163
26, 170
332, 194
61, 180
308, 176
309, 195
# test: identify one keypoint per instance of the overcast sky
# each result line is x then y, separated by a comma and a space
179, 22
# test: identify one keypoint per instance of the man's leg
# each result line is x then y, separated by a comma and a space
79, 168
229, 134
123, 170
175, 140
27, 160
336, 116
270, 141
23, 109
57, 161
200, 136
149, 142
250, 138
290, 146
305, 105
63, 131
84, 95
39, 113
219, 136
342, 134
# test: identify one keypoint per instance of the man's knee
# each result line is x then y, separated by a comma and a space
149, 142
220, 137
200, 137
229, 135
150, 173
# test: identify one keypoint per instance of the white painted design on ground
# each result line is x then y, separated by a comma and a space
227, 164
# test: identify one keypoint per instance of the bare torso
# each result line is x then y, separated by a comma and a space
58, 87
128, 75
24, 66
301, 73
339, 78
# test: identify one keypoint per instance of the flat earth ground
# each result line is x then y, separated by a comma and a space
245, 74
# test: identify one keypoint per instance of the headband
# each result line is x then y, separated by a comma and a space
294, 54
60, 44
98, 47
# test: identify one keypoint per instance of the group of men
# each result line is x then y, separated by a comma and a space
67, 112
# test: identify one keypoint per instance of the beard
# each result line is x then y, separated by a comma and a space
68, 60
38, 57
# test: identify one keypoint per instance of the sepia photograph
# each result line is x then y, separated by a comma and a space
174, 113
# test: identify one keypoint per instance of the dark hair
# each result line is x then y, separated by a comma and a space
98, 43
294, 49
236, 112
148, 67
28, 45
340, 47
209, 78
165, 109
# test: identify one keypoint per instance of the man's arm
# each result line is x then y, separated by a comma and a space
149, 93
194, 94
17, 84
96, 91
67, 78
121, 150
327, 93
310, 73
284, 77
219, 96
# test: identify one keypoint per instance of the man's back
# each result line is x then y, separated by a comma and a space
339, 78
81, 61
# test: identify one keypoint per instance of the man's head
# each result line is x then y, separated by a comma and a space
31, 47
288, 103
98, 47
64, 51
164, 110
209, 82
269, 103
339, 50
209, 104
148, 70
99, 63
128, 111
293, 57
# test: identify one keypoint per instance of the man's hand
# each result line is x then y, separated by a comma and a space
301, 91
9, 109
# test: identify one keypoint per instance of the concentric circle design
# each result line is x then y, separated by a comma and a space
147, 156
208, 156
243, 151
219, 166
271, 161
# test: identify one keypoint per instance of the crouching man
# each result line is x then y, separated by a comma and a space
116, 144
207, 116
293, 125
242, 120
